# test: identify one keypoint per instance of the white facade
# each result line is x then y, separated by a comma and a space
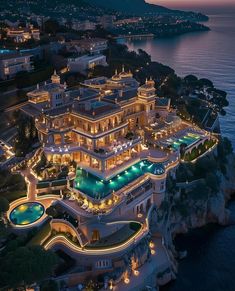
107, 21
84, 63
10, 65
83, 25
90, 45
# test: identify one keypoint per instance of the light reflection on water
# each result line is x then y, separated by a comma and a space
205, 54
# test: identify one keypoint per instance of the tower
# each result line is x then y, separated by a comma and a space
55, 79
147, 91
147, 96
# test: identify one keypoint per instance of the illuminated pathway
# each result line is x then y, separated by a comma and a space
31, 196
62, 240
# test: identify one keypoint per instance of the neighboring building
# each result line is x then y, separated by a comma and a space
83, 25
23, 34
11, 23
107, 21
90, 45
11, 64
86, 62
127, 21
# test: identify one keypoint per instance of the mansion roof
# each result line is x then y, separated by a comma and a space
94, 109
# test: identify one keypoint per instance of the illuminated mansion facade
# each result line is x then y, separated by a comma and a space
102, 126
105, 127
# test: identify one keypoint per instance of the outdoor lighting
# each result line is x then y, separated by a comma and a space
151, 244
111, 285
153, 252
136, 272
127, 280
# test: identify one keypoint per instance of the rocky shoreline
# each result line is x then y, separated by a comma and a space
213, 210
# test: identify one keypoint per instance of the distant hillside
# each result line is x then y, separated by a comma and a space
140, 7
129, 6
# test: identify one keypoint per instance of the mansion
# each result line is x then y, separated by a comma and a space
120, 142
101, 128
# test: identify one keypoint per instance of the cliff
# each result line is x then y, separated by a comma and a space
181, 212
203, 210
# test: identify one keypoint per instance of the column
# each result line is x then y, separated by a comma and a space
94, 143
90, 161
103, 165
62, 138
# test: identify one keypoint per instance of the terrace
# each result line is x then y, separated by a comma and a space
188, 139
187, 136
127, 231
105, 151
101, 188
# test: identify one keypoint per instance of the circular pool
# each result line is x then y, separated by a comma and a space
27, 213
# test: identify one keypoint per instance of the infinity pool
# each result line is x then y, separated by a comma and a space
97, 188
27, 213
188, 139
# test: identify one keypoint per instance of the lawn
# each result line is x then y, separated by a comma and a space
197, 152
42, 233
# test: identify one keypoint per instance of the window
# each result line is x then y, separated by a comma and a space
102, 264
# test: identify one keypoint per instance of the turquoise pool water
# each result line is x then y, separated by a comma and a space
5, 51
27, 213
188, 139
97, 188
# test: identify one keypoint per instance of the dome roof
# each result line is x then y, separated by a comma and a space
116, 77
125, 74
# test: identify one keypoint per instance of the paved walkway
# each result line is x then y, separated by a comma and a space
147, 276
31, 184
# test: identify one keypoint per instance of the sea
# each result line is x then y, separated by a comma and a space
210, 263
209, 54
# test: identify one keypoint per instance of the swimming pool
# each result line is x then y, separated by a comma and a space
188, 139
27, 213
6, 51
97, 188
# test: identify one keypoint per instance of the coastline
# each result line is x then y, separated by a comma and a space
214, 212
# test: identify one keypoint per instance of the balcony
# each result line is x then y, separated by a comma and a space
65, 127
55, 129
107, 152
100, 133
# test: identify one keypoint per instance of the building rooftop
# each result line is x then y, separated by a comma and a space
58, 110
22, 29
94, 108
96, 81
14, 55
31, 110
162, 102
88, 41
86, 58
88, 93
120, 96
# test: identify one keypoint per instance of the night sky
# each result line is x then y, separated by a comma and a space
203, 5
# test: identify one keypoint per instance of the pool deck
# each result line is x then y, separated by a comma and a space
153, 155
31, 197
